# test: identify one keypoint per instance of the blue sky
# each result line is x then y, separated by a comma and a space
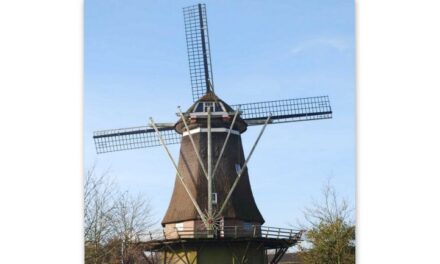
136, 66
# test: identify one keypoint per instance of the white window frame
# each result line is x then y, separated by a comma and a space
237, 168
179, 226
214, 198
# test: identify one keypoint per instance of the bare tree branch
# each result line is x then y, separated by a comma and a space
114, 221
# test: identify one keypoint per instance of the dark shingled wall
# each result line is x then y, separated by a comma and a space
241, 205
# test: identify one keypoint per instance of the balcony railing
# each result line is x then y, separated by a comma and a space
227, 232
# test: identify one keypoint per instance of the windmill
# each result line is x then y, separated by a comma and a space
212, 216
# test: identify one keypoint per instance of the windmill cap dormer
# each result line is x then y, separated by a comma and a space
210, 97
221, 114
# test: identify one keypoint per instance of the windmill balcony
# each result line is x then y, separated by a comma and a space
227, 232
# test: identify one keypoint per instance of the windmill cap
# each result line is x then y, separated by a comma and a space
195, 116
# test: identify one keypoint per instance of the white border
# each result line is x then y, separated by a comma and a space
398, 131
41, 62
213, 130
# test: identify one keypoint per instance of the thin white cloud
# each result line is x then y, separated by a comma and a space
340, 44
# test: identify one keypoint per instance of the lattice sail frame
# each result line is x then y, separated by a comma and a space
198, 47
289, 110
282, 111
132, 138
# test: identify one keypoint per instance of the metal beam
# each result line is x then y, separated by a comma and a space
182, 244
209, 227
244, 258
196, 205
193, 144
243, 168
234, 256
279, 253
226, 141
175, 253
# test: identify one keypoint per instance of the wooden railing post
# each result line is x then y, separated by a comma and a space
255, 231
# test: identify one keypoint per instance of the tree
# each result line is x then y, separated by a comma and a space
330, 232
131, 222
99, 192
114, 221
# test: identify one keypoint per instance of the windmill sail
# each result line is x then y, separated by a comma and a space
199, 54
289, 110
133, 138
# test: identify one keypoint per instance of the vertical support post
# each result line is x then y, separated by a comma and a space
209, 171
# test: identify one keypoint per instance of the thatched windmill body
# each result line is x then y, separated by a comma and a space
212, 216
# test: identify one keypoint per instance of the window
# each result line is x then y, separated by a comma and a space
208, 105
219, 107
203, 107
179, 226
247, 226
199, 107
237, 168
214, 198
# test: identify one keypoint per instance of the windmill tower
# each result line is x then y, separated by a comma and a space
212, 216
